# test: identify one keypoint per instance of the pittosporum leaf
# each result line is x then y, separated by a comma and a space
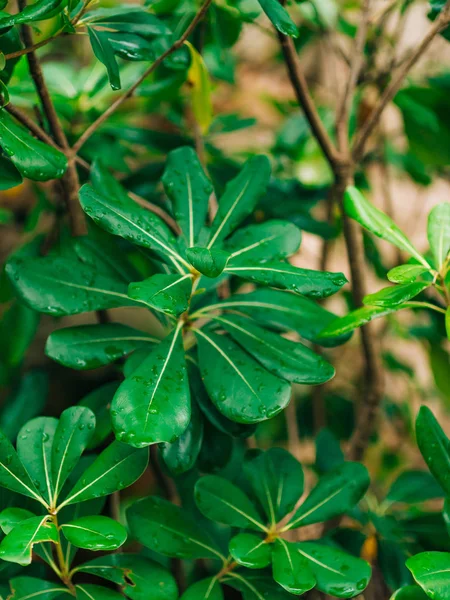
250, 551
181, 455
95, 533
279, 17
431, 570
439, 233
167, 293
10, 517
17, 546
206, 589
89, 591
395, 295
291, 569
434, 446
208, 262
23, 587
406, 273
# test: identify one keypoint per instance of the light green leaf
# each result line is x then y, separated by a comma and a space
406, 273
200, 84
314, 284
239, 387
337, 573
162, 526
276, 478
153, 404
10, 517
289, 360
34, 448
270, 241
88, 591
431, 570
189, 190
355, 319
378, 223
208, 262
279, 17
335, 494
240, 198
92, 346
250, 551
75, 429
396, 295
17, 546
167, 293
117, 467
220, 500
95, 533
291, 569
439, 233
434, 446
22, 588
64, 286
31, 157
206, 589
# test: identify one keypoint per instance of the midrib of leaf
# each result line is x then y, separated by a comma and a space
252, 246
250, 304
47, 475
34, 494
247, 583
61, 466
314, 508
24, 143
434, 573
85, 592
114, 339
190, 209
269, 500
288, 554
190, 539
42, 592
228, 214
85, 529
241, 512
177, 282
318, 562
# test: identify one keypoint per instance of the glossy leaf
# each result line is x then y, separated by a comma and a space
336, 493
117, 467
355, 319
276, 478
104, 51
24, 587
189, 190
279, 17
206, 589
270, 241
95, 533
290, 568
406, 273
167, 293
10, 517
414, 486
238, 386
240, 198
393, 296
153, 404
378, 223
208, 262
439, 232
289, 360
181, 455
168, 529
63, 286
337, 573
220, 500
92, 346
434, 446
75, 429
250, 551
256, 585
409, 592
88, 591
32, 158
17, 546
431, 570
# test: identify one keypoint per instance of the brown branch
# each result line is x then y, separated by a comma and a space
115, 105
31, 48
442, 21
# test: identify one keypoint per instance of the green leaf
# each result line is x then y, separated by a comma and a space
289, 360
10, 517
335, 494
431, 570
393, 296
413, 487
240, 198
250, 551
99, 401
434, 446
128, 19
189, 189
208, 262
9, 175
290, 569
182, 454
238, 386
220, 500
256, 586
18, 328
17, 546
206, 589
139, 577
276, 478
34, 448
314, 284
336, 572
116, 468
92, 346
104, 51
13, 475
279, 17
167, 293
355, 319
200, 88
39, 11
378, 223
24, 587
31, 157
168, 529
95, 533
447, 322
406, 273
75, 430
439, 233
270, 241
87, 591
409, 592
114, 211
153, 404
62, 286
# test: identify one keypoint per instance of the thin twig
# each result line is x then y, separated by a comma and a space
115, 105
